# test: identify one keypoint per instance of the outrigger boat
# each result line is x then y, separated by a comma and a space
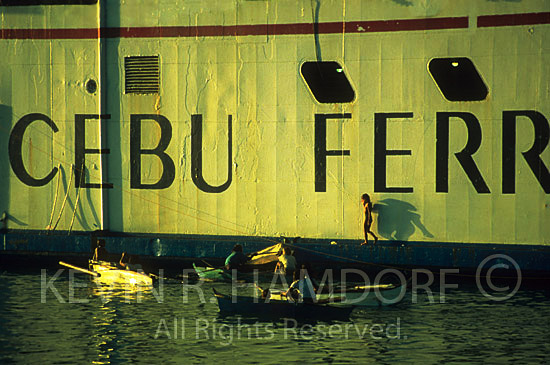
263, 262
108, 273
276, 308
210, 273
361, 296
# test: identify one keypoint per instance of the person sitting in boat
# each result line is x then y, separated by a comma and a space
287, 263
100, 252
130, 262
302, 288
236, 259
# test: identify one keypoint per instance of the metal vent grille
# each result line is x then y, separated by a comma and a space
141, 75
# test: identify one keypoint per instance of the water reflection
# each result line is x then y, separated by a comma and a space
127, 293
114, 304
104, 336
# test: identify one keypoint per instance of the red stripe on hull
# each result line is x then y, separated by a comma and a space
239, 30
513, 19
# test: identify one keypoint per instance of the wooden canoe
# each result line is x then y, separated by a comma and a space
256, 306
212, 274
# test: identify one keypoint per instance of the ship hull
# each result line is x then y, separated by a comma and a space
180, 129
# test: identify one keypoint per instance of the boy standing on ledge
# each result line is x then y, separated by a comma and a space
367, 208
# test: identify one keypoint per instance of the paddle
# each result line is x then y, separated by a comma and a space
211, 269
89, 272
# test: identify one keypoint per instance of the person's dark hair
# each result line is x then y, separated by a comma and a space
101, 242
286, 251
238, 248
365, 197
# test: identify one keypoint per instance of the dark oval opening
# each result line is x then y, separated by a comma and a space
458, 79
327, 81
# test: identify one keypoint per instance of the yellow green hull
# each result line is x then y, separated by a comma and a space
218, 131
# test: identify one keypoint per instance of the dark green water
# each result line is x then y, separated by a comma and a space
111, 327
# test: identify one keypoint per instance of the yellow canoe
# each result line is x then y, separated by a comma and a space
110, 274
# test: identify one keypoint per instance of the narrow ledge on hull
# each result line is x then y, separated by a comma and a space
183, 249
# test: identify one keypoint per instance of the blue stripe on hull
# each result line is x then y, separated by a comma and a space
533, 258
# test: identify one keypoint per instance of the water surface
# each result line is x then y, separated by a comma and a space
95, 325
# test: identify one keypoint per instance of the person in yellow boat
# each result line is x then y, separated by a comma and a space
287, 263
367, 209
100, 252
130, 262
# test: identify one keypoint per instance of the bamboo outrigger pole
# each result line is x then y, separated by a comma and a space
90, 272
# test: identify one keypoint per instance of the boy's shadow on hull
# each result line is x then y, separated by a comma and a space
397, 220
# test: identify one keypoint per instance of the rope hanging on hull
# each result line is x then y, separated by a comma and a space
64, 199
49, 226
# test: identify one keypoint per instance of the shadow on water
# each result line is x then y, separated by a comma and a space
398, 220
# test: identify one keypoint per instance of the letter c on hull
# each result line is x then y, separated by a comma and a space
16, 144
